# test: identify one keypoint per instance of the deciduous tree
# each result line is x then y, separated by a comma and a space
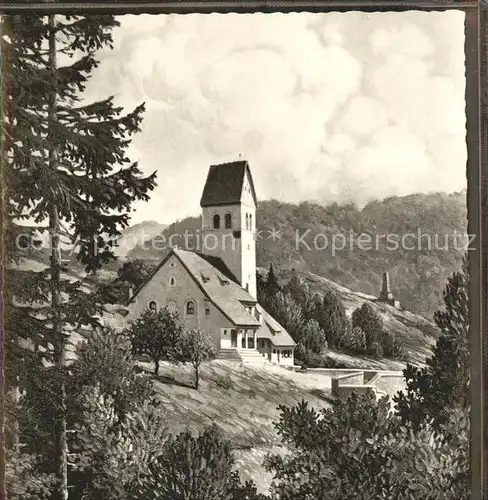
157, 334
196, 347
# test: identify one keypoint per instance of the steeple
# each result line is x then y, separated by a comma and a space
229, 220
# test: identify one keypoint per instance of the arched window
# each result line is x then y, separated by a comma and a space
228, 221
190, 307
153, 306
216, 221
172, 281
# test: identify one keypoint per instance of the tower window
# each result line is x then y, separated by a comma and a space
228, 221
190, 308
172, 281
216, 221
207, 311
250, 222
247, 221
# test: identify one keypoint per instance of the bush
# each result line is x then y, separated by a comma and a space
200, 468
375, 350
23, 481
358, 449
369, 320
392, 348
330, 314
313, 338
353, 340
310, 359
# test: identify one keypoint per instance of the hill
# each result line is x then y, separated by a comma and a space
416, 333
240, 399
424, 227
137, 235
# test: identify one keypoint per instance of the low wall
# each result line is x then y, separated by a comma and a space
380, 382
345, 391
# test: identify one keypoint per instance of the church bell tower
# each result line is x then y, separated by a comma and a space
229, 220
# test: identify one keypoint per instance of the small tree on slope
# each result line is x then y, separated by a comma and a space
157, 334
197, 347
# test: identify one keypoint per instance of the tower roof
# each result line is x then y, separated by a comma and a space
224, 184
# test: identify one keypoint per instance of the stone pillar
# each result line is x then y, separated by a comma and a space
247, 339
255, 337
239, 339
386, 294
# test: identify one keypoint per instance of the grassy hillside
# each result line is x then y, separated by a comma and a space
417, 274
242, 400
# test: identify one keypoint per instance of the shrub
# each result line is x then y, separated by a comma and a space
310, 359
375, 349
105, 360
23, 481
313, 338
359, 449
330, 314
392, 348
353, 340
200, 468
112, 455
369, 320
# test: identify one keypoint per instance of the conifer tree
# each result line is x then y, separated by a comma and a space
444, 382
272, 285
65, 166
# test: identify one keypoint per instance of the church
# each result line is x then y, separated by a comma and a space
214, 286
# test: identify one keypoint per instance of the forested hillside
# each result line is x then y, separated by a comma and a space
418, 268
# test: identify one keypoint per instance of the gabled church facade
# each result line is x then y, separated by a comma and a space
214, 288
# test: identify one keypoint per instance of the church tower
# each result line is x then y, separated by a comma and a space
229, 220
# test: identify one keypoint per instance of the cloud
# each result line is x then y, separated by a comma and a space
321, 105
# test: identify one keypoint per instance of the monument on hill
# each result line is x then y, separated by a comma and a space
386, 295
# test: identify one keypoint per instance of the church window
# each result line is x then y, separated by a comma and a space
153, 306
190, 308
228, 221
216, 221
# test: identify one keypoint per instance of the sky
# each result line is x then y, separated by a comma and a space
325, 107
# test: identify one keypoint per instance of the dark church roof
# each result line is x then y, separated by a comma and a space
224, 184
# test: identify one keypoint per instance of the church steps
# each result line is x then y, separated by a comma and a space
244, 356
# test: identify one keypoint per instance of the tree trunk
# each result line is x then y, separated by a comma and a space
197, 377
15, 400
61, 444
156, 366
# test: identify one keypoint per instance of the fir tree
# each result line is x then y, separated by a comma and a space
65, 167
444, 382
272, 285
